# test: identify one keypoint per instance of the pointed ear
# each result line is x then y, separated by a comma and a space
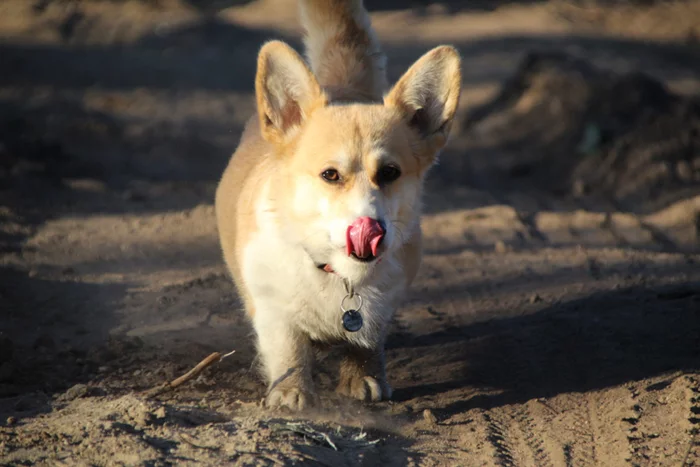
428, 93
285, 90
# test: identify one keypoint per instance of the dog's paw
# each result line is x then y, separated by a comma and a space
365, 388
292, 398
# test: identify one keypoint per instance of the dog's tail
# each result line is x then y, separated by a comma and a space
342, 48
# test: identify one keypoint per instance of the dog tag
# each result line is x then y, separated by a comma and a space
352, 320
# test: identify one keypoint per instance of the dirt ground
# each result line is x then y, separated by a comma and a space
555, 320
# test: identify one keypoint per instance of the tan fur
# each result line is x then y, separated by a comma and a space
343, 50
279, 219
235, 194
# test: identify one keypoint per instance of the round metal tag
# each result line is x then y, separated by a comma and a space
352, 320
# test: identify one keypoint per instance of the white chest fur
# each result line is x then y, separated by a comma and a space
289, 290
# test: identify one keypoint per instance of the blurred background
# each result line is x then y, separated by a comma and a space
156, 91
566, 209
128, 93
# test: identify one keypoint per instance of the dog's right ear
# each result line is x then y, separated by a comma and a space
286, 91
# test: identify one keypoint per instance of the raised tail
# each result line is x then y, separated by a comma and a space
342, 48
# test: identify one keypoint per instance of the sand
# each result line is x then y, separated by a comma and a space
554, 321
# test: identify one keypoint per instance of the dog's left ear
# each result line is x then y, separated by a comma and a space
427, 95
286, 91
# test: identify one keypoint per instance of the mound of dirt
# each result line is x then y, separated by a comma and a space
581, 130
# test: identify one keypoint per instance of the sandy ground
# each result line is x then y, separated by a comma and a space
543, 330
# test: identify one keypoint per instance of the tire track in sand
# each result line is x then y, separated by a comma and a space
582, 453
534, 417
638, 456
520, 433
664, 423
692, 455
535, 437
499, 438
590, 429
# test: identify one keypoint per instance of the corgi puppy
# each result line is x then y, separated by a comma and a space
318, 211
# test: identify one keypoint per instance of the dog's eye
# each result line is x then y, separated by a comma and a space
330, 175
388, 174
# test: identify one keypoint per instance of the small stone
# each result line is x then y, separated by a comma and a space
103, 369
500, 247
10, 421
429, 417
160, 413
534, 298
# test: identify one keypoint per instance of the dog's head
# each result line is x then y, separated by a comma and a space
350, 175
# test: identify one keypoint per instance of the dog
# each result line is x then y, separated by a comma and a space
318, 211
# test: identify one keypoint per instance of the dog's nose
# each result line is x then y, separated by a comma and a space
364, 236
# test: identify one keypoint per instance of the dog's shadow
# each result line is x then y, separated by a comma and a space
602, 340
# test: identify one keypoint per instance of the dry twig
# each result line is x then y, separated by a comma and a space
193, 373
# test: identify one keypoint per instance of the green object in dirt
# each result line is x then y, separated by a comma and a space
591, 139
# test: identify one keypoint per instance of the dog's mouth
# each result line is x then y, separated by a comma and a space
329, 269
366, 259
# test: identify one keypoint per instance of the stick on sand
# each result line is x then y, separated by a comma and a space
193, 373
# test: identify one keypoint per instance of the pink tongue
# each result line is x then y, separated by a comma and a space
363, 237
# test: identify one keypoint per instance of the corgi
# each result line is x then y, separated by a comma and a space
318, 211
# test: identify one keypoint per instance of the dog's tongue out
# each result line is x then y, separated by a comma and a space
364, 237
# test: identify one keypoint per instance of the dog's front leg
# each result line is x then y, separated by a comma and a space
363, 374
287, 358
